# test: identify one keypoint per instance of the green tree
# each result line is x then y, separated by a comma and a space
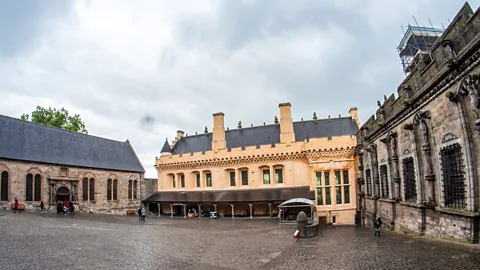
56, 118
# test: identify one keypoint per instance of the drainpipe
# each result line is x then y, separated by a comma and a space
140, 189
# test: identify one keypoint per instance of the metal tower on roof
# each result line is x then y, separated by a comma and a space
415, 45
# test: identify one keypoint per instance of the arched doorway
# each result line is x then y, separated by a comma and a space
63, 194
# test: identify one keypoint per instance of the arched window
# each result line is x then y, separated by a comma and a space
92, 189
38, 187
135, 189
130, 189
85, 189
109, 189
4, 187
28, 188
115, 189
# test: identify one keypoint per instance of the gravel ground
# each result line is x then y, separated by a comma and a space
47, 241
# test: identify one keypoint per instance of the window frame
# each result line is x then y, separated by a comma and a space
266, 181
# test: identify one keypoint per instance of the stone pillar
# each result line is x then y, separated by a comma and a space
215, 206
148, 209
233, 210
159, 209
420, 119
270, 209
396, 170
272, 176
184, 211
251, 204
376, 181
171, 210
199, 209
302, 220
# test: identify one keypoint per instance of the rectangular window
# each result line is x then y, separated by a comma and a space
346, 193
328, 198
209, 179
327, 178
337, 178
339, 194
369, 182
198, 180
410, 186
318, 176
453, 179
245, 178
346, 181
232, 179
384, 179
182, 180
319, 196
266, 177
278, 176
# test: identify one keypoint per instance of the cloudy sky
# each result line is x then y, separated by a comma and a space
117, 63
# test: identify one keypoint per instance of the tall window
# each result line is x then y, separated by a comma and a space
4, 187
369, 182
232, 179
453, 178
182, 180
328, 197
409, 180
266, 177
109, 189
135, 189
198, 180
245, 178
278, 176
338, 187
115, 183
319, 187
384, 179
130, 189
209, 179
28, 188
92, 189
85, 189
37, 188
346, 187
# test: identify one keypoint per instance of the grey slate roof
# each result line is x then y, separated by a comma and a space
27, 141
166, 148
269, 134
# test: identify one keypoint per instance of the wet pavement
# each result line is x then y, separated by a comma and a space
46, 241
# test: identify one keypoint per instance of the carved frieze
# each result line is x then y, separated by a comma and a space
449, 137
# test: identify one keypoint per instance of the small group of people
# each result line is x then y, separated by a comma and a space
65, 207
141, 214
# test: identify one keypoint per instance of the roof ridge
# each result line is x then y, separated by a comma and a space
59, 129
322, 119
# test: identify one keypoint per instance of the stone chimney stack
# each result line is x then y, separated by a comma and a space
179, 134
218, 138
354, 114
287, 134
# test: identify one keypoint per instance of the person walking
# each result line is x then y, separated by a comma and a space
42, 206
378, 224
139, 212
15, 206
143, 214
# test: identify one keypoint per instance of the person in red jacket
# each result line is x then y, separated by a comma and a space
15, 209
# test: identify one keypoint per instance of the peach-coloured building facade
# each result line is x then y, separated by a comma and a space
250, 171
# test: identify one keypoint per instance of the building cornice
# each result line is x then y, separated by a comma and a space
259, 158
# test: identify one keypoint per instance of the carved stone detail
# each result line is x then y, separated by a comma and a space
449, 137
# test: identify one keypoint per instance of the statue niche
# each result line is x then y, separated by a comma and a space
470, 88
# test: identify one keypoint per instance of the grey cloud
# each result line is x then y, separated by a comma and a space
22, 22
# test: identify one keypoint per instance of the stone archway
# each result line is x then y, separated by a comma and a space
63, 194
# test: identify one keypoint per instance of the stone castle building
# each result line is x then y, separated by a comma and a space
250, 171
419, 156
42, 163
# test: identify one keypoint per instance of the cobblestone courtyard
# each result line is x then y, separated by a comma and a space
35, 241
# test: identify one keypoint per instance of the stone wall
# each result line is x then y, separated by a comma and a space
53, 174
149, 186
436, 107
